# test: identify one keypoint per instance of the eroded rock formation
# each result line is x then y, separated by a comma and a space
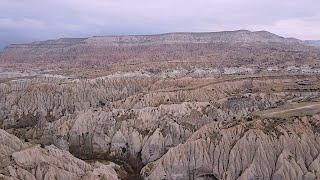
20, 160
159, 118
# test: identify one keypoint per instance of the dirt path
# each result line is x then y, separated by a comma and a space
306, 107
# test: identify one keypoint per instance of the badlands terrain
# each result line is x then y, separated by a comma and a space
225, 105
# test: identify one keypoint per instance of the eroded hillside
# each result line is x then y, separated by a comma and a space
161, 121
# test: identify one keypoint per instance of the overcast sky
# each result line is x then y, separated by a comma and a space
30, 20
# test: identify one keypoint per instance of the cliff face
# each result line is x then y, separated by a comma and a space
241, 36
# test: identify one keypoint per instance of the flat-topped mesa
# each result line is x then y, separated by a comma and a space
209, 47
168, 38
241, 36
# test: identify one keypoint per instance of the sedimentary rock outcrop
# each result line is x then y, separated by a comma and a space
20, 160
261, 149
229, 105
